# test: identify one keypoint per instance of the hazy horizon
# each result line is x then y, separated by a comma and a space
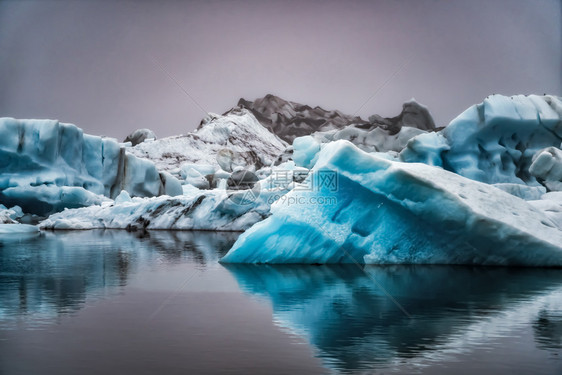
111, 67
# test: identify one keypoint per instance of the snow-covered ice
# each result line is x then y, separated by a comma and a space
237, 131
216, 209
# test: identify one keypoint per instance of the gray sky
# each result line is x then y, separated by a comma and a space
97, 63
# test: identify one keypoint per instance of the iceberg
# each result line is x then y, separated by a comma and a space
381, 211
46, 166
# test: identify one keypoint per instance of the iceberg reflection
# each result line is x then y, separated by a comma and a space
49, 274
344, 313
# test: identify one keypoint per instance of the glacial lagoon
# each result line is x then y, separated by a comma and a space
159, 302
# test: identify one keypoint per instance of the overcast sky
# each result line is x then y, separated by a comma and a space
104, 65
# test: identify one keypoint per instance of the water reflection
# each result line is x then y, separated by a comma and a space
45, 275
345, 314
548, 329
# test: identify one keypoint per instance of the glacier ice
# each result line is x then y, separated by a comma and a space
46, 166
493, 141
123, 197
416, 115
387, 212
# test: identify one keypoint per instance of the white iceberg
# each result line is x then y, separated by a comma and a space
237, 134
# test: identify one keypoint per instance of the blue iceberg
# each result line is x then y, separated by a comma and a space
380, 211
493, 141
46, 166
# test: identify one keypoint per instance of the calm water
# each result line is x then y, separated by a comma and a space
116, 302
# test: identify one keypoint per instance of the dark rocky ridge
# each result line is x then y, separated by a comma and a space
413, 115
289, 120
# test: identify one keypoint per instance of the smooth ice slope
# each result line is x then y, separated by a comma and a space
493, 141
388, 212
46, 166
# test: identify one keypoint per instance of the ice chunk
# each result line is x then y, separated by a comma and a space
416, 115
426, 148
123, 197
305, 150
378, 139
170, 185
195, 170
193, 177
547, 167
6, 215
387, 212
